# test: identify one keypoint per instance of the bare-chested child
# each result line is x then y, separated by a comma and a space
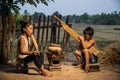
24, 52
86, 42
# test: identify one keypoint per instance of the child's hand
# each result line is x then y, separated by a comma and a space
81, 38
35, 53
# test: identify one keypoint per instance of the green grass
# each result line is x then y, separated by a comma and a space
100, 38
103, 31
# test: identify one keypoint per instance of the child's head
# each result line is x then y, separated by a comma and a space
88, 33
27, 27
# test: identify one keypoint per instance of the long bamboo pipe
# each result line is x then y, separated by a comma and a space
35, 43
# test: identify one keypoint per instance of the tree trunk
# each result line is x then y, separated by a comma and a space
5, 12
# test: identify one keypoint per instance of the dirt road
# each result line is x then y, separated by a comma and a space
68, 72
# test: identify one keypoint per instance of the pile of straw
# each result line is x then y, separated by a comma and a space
111, 54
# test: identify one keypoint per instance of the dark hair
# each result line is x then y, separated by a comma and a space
24, 24
89, 31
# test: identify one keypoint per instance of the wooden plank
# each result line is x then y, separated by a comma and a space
67, 36
42, 35
34, 23
55, 68
64, 35
14, 34
0, 21
38, 32
94, 67
58, 37
51, 29
47, 31
10, 23
54, 33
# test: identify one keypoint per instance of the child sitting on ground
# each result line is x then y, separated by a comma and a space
24, 52
86, 42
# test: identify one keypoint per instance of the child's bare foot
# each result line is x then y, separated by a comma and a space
78, 66
87, 68
46, 73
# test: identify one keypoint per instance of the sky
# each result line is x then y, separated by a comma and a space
78, 7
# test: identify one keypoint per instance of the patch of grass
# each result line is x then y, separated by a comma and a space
108, 32
100, 38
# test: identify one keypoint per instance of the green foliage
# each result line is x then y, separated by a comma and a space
13, 4
18, 18
103, 18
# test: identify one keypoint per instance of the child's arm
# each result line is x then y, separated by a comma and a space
25, 52
31, 46
80, 46
88, 44
22, 44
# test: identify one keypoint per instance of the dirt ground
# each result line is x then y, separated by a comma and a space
68, 72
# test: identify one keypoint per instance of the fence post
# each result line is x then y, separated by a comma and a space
54, 33
0, 46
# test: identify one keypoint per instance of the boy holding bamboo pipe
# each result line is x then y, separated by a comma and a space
86, 42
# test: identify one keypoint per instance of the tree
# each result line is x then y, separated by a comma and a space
12, 5
84, 18
26, 13
56, 13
